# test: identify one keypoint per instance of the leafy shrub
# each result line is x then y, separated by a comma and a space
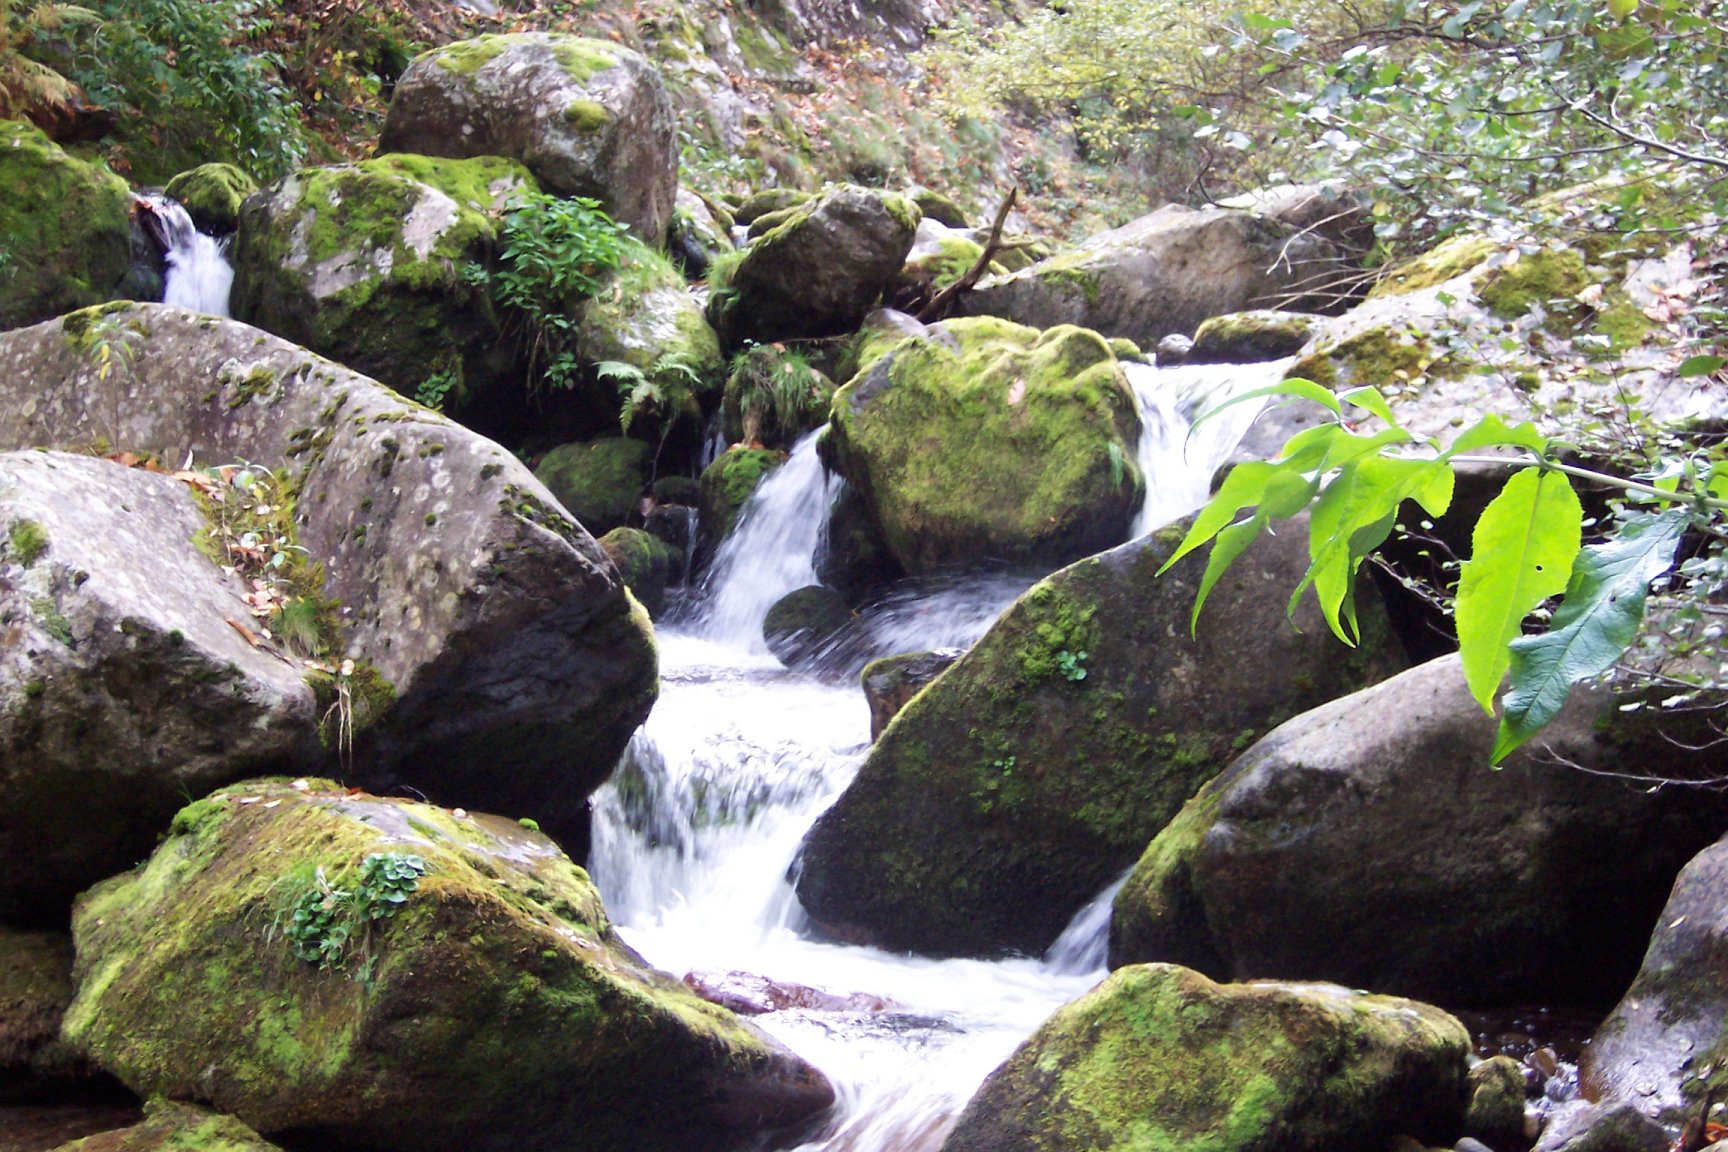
774, 393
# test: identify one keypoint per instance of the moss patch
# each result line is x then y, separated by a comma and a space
212, 195
599, 481
1548, 278
26, 540
1444, 262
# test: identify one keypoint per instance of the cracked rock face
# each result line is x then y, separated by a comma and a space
587, 117
511, 663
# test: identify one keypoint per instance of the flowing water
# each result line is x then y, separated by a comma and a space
696, 836
199, 276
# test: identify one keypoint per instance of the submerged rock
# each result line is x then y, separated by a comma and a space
803, 626
1033, 772
751, 995
819, 271
66, 226
1160, 1057
365, 263
587, 117
507, 665
1536, 882
891, 682
1160, 274
983, 440
124, 685
387, 974
174, 1127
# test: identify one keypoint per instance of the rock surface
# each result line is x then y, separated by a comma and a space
726, 487
1033, 772
1539, 881
1160, 1057
492, 1007
891, 682
173, 1127
212, 195
364, 263
516, 665
35, 988
600, 482
66, 227
1048, 418
587, 117
1160, 274
820, 271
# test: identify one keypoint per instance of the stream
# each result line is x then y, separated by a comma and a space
696, 834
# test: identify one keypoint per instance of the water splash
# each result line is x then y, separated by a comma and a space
1085, 944
199, 276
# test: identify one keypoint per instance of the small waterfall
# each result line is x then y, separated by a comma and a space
771, 552
199, 276
1085, 943
1178, 459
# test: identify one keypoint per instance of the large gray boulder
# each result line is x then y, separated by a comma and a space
819, 271
1030, 774
506, 664
1161, 274
588, 118
365, 263
1666, 1044
1160, 1057
124, 686
1368, 842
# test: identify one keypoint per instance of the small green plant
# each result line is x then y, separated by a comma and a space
774, 390
326, 917
1072, 665
433, 390
1001, 771
28, 541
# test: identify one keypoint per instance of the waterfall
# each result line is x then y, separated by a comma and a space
771, 551
1178, 459
199, 276
1085, 943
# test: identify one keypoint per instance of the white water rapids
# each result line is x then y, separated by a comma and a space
198, 274
696, 833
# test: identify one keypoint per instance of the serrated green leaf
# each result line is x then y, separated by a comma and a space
1599, 618
1521, 553
1230, 544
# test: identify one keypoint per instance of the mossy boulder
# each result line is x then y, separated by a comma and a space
1245, 337
1664, 1047
1030, 774
891, 682
587, 117
698, 234
984, 440
1386, 357
803, 626
1444, 262
68, 237
1159, 1057
818, 273
1555, 872
170, 1126
35, 988
212, 195
935, 206
478, 998
364, 263
643, 315
726, 487
1160, 274
1496, 1112
646, 562
600, 482
769, 200
940, 255
1547, 279
501, 661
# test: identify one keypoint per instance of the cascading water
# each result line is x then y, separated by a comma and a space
199, 276
696, 834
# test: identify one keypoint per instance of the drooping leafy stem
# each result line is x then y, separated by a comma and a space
1527, 547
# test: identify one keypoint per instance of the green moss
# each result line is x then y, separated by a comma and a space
728, 482
587, 116
212, 195
1446, 261
1623, 322
1383, 357
27, 540
1548, 278
48, 615
599, 481
465, 57
905, 213
1259, 335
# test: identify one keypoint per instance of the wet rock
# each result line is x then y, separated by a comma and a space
173, 1127
35, 987
1666, 1042
1010, 791
938, 208
698, 234
1158, 1056
123, 684
803, 626
644, 316
1496, 1113
1246, 337
510, 667
600, 481
751, 995
1602, 1127
66, 228
726, 487
646, 563
820, 271
1048, 417
1174, 349
212, 195
853, 559
1555, 870
364, 263
891, 682
1162, 273
481, 1000
587, 117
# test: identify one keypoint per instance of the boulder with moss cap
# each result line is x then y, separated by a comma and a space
1032, 772
1046, 419
587, 117
498, 659
472, 997
643, 315
170, 1126
820, 271
68, 237
212, 195
1160, 1057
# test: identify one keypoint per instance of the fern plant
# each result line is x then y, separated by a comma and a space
28, 87
774, 391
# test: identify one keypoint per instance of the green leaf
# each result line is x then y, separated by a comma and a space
1520, 554
1493, 432
1599, 618
1295, 387
1620, 9
1700, 366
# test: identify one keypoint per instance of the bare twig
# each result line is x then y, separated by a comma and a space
943, 300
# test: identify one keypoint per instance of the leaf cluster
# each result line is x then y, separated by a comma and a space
321, 922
